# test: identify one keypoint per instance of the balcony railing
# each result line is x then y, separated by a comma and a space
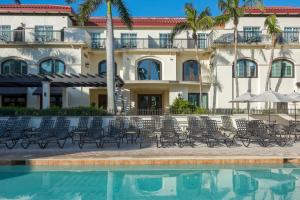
289, 37
12, 36
243, 37
150, 43
48, 36
66, 35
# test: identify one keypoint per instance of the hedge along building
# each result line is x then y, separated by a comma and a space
45, 39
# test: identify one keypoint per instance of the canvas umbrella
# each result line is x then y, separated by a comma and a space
271, 97
244, 98
296, 98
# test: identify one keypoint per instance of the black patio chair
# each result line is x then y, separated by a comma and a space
81, 128
266, 134
244, 133
16, 132
59, 134
3, 130
33, 135
215, 136
227, 126
133, 130
195, 130
294, 129
148, 133
114, 134
93, 134
170, 133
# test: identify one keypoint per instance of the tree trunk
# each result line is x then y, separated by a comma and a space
200, 71
268, 84
235, 63
110, 69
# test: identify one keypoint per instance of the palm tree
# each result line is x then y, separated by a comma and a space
195, 22
86, 8
273, 29
232, 10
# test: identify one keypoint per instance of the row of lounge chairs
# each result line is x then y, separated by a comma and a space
162, 131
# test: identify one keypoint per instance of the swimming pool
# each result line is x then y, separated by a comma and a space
159, 182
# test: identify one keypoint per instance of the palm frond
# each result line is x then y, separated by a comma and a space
191, 15
178, 28
223, 5
272, 26
206, 23
17, 1
87, 8
222, 19
123, 12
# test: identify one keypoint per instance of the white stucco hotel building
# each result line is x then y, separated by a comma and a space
38, 39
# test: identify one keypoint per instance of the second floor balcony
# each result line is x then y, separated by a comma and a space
223, 37
151, 43
66, 35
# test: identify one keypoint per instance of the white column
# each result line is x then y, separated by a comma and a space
65, 98
46, 94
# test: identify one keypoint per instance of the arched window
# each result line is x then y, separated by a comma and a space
14, 66
282, 69
102, 67
149, 69
190, 71
52, 66
246, 68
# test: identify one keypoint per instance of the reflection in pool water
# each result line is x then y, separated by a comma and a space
184, 182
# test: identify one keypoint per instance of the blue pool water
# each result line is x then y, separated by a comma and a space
164, 182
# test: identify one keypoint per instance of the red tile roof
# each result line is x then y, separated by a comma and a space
278, 10
35, 8
138, 21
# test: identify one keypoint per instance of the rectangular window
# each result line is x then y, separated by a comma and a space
165, 40
96, 41
128, 40
291, 34
5, 33
44, 33
202, 40
246, 69
251, 34
194, 98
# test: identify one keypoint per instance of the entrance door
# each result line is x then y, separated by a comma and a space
149, 104
102, 101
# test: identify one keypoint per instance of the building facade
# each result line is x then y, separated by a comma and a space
45, 39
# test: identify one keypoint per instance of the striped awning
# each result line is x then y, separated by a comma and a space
56, 80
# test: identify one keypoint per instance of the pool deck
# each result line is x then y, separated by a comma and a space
132, 155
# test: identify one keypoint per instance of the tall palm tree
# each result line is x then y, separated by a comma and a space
195, 22
274, 30
86, 8
233, 10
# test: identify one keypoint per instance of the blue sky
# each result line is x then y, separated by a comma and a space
164, 7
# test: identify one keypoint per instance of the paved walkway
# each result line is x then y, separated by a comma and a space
133, 151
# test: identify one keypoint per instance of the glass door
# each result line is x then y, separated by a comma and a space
149, 104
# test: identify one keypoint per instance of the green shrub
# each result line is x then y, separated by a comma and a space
182, 106
55, 111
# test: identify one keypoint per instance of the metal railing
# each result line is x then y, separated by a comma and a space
151, 43
48, 36
287, 37
12, 36
247, 37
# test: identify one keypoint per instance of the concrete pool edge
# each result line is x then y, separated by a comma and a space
126, 161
